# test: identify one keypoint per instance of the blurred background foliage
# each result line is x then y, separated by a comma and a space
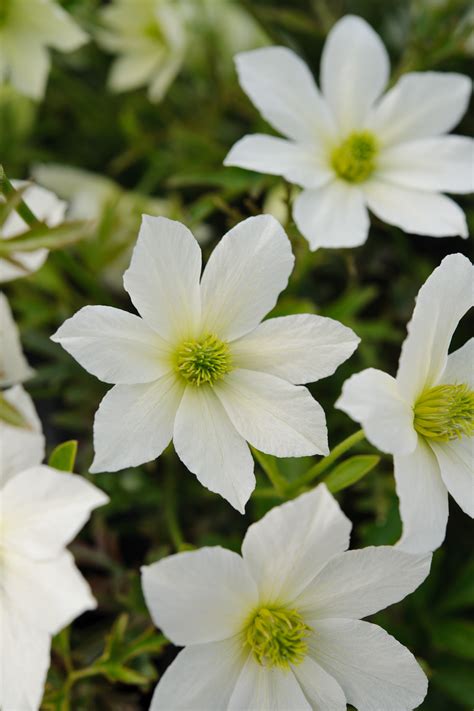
115, 156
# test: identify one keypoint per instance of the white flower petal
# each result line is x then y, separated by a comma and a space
415, 211
48, 594
273, 415
374, 670
421, 104
442, 301
332, 216
115, 346
163, 278
358, 583
134, 423
21, 447
354, 71
28, 63
320, 688
276, 156
199, 596
439, 164
266, 688
210, 446
282, 88
165, 75
287, 548
201, 677
132, 69
244, 276
456, 461
43, 510
13, 364
300, 349
423, 500
55, 27
459, 367
25, 263
373, 399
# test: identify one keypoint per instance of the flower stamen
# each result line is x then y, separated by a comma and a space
203, 361
276, 637
445, 413
354, 159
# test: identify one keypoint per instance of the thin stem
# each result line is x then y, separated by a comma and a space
325, 463
7, 189
270, 468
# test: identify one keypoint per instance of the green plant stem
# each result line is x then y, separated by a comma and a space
325, 463
268, 465
7, 189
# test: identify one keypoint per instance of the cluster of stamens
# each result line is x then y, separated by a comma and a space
277, 637
354, 159
445, 412
203, 361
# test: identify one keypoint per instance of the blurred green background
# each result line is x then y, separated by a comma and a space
166, 158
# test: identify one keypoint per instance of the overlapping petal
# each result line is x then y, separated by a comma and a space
22, 447
459, 367
320, 688
455, 460
259, 687
216, 580
13, 364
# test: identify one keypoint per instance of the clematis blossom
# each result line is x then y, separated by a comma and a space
41, 590
280, 626
198, 366
352, 149
425, 416
14, 368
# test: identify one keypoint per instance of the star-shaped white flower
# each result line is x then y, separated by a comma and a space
279, 627
199, 366
47, 208
41, 590
352, 149
425, 416
150, 38
27, 29
14, 368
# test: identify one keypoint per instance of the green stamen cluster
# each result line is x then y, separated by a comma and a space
354, 159
276, 637
203, 361
445, 412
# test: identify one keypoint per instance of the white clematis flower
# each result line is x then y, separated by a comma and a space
150, 38
199, 366
425, 416
41, 591
352, 149
279, 627
47, 208
27, 29
13, 365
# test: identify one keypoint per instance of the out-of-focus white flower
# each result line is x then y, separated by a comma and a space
150, 37
27, 29
13, 365
425, 416
47, 208
350, 148
41, 510
280, 627
199, 366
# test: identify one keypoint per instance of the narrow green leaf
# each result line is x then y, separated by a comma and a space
10, 414
350, 471
46, 237
63, 456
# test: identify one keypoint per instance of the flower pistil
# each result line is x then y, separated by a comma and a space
277, 637
203, 361
445, 412
354, 159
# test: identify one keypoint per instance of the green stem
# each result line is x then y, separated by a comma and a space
7, 189
325, 463
270, 468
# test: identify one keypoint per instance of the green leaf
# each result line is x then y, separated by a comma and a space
10, 414
460, 593
63, 456
350, 471
46, 237
455, 636
456, 679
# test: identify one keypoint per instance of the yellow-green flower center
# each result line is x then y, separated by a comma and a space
354, 159
203, 361
277, 637
445, 412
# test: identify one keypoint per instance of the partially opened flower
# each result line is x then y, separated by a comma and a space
47, 208
198, 366
150, 38
13, 365
279, 627
352, 149
28, 28
41, 589
425, 416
